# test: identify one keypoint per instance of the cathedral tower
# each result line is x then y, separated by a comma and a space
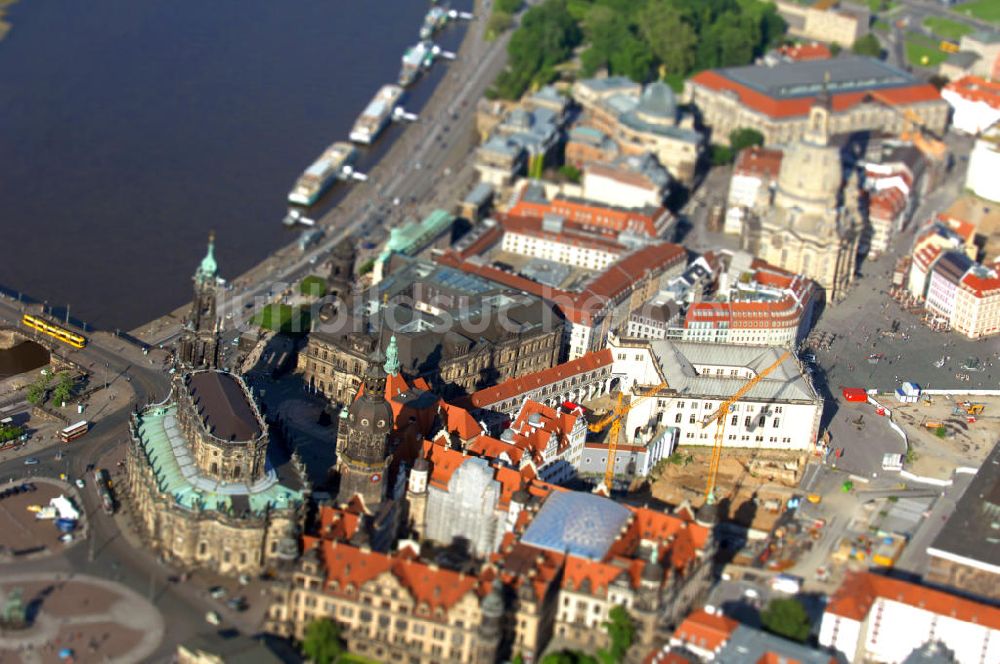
199, 343
365, 458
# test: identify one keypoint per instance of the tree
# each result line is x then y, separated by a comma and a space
621, 633
497, 24
570, 172
787, 618
63, 389
547, 37
38, 391
720, 155
10, 432
508, 6
835, 49
672, 39
744, 137
868, 45
322, 643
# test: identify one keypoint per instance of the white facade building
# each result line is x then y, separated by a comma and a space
983, 176
553, 245
975, 103
636, 181
874, 618
781, 412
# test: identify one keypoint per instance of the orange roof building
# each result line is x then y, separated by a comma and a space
878, 618
776, 100
976, 103
582, 379
771, 307
703, 633
550, 440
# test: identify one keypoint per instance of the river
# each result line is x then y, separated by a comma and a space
129, 129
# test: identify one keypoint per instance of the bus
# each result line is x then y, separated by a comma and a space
74, 431
55, 331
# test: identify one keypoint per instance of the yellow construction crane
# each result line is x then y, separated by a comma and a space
719, 417
615, 419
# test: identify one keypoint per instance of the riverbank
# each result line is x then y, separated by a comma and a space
364, 194
4, 25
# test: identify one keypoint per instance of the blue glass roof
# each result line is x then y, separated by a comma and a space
577, 523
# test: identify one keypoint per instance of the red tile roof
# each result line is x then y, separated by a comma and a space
513, 387
759, 162
976, 89
593, 214
782, 108
572, 234
339, 524
800, 52
859, 591
426, 584
705, 630
981, 286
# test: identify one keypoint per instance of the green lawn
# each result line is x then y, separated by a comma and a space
351, 658
881, 5
918, 48
312, 286
880, 26
984, 10
282, 318
946, 28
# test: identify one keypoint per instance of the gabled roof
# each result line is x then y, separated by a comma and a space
858, 593
513, 387
425, 583
705, 630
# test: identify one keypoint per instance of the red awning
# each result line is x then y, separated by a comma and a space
855, 394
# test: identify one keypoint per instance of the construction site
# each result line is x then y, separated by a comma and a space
945, 433
752, 486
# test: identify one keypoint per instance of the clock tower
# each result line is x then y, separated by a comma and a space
365, 457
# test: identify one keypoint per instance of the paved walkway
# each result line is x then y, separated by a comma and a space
126, 629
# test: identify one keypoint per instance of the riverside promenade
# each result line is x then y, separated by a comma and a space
428, 164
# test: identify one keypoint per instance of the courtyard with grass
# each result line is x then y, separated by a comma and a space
922, 51
312, 286
946, 28
282, 318
984, 10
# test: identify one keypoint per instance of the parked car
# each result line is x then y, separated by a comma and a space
79, 483
217, 592
237, 604
31, 461
213, 618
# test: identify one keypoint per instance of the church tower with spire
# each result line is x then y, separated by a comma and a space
199, 343
365, 457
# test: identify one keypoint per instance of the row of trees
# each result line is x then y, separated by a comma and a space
637, 38
61, 391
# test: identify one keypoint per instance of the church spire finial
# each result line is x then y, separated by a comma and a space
392, 357
208, 268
